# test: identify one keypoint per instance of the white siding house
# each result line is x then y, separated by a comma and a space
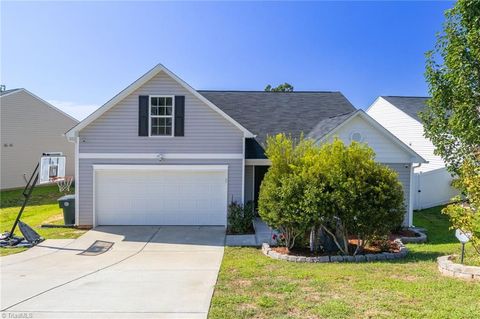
399, 115
30, 126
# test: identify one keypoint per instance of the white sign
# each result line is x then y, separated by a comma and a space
463, 237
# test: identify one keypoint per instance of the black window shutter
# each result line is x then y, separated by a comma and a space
143, 115
179, 115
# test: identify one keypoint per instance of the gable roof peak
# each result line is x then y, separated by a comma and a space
9, 91
72, 133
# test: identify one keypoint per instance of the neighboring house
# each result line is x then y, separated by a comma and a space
30, 127
163, 153
400, 115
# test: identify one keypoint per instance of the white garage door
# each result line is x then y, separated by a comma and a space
161, 195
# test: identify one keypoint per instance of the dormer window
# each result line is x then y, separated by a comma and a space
161, 115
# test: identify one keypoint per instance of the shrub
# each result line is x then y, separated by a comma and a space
240, 217
281, 191
358, 196
337, 188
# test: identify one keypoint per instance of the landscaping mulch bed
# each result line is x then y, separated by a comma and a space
405, 233
373, 248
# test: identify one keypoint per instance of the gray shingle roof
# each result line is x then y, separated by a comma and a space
270, 113
326, 125
411, 105
8, 91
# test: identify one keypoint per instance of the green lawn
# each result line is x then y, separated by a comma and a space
41, 209
251, 285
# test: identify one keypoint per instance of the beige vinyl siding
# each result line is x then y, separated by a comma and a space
408, 130
85, 185
32, 127
116, 131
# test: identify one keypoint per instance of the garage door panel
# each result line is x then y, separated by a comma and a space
157, 197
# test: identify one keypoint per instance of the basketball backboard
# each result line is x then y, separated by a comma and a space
52, 167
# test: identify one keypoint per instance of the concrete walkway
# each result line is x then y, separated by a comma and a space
150, 272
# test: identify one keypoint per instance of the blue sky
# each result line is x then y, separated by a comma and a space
79, 55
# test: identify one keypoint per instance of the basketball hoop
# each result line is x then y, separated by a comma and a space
52, 168
63, 183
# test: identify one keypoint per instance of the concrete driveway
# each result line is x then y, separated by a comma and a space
149, 272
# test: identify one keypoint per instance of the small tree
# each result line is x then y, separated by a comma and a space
281, 192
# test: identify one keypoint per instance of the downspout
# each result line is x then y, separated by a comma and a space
76, 141
410, 213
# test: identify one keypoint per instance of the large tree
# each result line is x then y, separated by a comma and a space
452, 118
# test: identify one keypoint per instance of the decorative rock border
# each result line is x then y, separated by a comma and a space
421, 238
448, 268
267, 251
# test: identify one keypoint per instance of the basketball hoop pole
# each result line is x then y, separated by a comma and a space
27, 192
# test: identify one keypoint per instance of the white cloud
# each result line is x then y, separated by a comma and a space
78, 111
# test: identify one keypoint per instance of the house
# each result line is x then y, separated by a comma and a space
400, 116
30, 127
163, 153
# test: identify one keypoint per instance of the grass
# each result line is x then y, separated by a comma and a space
41, 209
251, 285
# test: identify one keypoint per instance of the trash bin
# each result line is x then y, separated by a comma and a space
67, 202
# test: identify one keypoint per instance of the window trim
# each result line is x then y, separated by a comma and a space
161, 116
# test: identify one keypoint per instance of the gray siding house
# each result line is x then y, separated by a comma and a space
30, 127
163, 153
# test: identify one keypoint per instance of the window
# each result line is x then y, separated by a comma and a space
161, 115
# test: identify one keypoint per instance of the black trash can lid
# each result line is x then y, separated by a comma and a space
66, 198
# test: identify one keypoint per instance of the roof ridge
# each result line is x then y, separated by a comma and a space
259, 91
407, 96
